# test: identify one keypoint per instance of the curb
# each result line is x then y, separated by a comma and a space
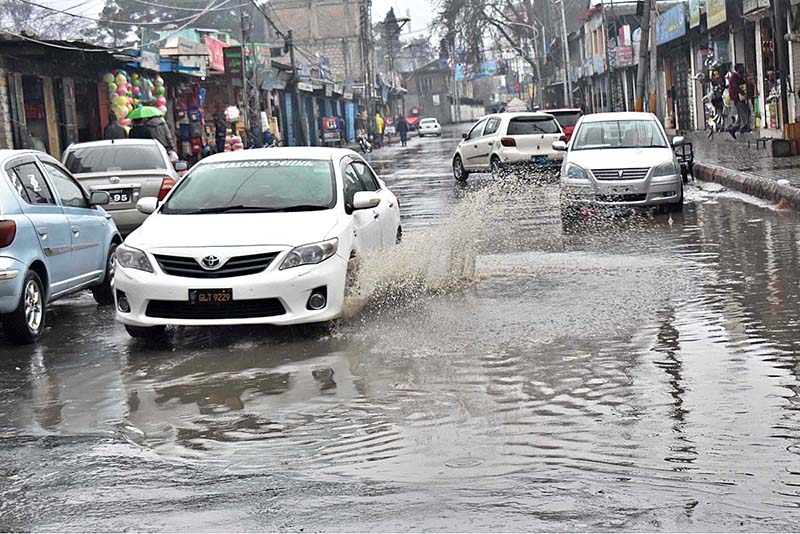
750, 184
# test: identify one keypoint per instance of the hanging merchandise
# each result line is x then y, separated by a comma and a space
129, 91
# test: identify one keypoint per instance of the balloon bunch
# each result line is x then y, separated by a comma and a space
129, 91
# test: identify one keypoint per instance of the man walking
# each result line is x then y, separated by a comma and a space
737, 91
219, 132
379, 124
402, 129
114, 130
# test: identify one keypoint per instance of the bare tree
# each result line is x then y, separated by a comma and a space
19, 17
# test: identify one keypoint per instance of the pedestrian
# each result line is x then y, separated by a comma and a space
402, 129
139, 130
114, 130
160, 132
379, 124
220, 132
737, 90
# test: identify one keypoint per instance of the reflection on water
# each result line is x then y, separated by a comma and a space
637, 374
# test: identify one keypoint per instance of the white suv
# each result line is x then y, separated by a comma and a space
508, 139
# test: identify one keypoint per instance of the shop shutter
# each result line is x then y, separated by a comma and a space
795, 53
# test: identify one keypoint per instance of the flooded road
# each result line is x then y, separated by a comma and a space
497, 374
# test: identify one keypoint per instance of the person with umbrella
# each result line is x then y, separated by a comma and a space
139, 130
139, 117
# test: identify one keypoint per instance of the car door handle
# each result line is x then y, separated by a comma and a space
376, 215
76, 230
42, 232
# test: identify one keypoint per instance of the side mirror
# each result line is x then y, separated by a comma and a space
463, 136
99, 198
181, 166
678, 140
559, 146
147, 205
364, 200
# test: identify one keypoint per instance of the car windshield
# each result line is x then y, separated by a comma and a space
428, 121
112, 158
618, 134
567, 118
532, 126
255, 186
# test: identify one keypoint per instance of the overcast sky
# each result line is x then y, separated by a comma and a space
421, 12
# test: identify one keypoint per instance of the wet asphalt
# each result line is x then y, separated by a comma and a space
497, 373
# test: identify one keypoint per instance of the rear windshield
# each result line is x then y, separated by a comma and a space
532, 126
428, 121
115, 158
567, 118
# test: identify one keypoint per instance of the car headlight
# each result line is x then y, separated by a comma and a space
310, 254
133, 258
574, 172
668, 168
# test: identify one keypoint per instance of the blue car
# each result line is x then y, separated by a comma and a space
55, 240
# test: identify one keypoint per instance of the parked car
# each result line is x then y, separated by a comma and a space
254, 237
567, 118
508, 139
55, 240
127, 169
430, 126
619, 159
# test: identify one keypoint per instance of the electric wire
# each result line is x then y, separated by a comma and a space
108, 21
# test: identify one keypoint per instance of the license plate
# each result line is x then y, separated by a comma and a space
541, 160
210, 297
119, 196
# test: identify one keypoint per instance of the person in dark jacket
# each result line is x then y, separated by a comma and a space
139, 130
402, 129
160, 132
737, 91
114, 130
220, 131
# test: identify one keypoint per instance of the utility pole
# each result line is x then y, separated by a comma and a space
245, 24
567, 66
251, 89
641, 69
608, 83
653, 58
366, 63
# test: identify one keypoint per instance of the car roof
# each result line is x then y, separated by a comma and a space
619, 116
562, 110
517, 114
112, 142
292, 152
8, 153
428, 119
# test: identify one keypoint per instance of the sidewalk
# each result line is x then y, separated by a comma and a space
750, 170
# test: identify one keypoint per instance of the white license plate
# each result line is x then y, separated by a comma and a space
119, 196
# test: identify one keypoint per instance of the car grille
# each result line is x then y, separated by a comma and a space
637, 197
239, 266
621, 174
235, 309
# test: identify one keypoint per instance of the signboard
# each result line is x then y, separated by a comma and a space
716, 13
261, 53
191, 55
216, 49
694, 13
232, 57
305, 86
624, 56
754, 6
671, 24
149, 60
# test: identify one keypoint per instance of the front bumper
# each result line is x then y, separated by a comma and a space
12, 276
292, 287
651, 191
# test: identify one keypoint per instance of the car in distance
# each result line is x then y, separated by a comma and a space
254, 237
508, 139
55, 240
567, 118
619, 159
127, 169
430, 126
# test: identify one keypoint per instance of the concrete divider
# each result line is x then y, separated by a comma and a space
750, 184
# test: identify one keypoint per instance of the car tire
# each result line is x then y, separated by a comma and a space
676, 207
399, 236
104, 293
25, 324
496, 167
146, 332
459, 172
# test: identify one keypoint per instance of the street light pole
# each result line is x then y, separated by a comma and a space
567, 66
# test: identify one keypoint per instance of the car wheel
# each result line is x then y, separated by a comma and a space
351, 276
104, 293
399, 236
25, 324
146, 332
677, 206
496, 167
459, 172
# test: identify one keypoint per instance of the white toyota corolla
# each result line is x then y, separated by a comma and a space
254, 237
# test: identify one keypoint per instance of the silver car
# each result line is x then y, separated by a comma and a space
127, 169
619, 159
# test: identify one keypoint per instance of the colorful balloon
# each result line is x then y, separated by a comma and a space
121, 91
108, 77
159, 90
135, 76
158, 80
136, 83
161, 101
112, 87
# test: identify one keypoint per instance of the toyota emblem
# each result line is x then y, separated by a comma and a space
211, 263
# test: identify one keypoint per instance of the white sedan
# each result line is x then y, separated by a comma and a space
430, 126
254, 237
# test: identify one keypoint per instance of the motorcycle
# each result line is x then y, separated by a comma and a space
364, 145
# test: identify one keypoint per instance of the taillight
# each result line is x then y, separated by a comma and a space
508, 141
8, 231
166, 186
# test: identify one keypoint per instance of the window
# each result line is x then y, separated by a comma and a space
367, 178
115, 158
31, 185
70, 192
491, 126
254, 186
532, 126
477, 130
618, 134
352, 184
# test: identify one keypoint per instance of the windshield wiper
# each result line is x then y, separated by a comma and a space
253, 209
